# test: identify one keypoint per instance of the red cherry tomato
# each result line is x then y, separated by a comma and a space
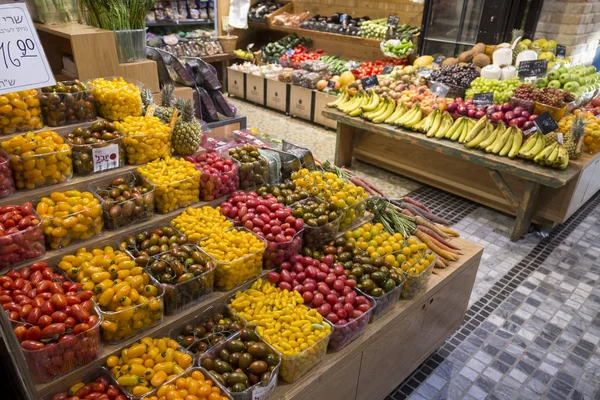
32, 345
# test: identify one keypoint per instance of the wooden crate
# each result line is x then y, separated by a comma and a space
321, 100
236, 83
278, 95
301, 102
255, 89
289, 7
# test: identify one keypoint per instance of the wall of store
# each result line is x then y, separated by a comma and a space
574, 24
405, 9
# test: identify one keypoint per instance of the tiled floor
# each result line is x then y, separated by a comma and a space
532, 330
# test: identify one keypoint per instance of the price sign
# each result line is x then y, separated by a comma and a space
393, 21
106, 158
438, 59
483, 99
369, 82
424, 72
545, 123
561, 51
439, 89
289, 52
535, 68
330, 85
387, 69
23, 64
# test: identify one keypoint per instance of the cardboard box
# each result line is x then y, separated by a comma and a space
301, 102
277, 95
255, 89
236, 83
321, 100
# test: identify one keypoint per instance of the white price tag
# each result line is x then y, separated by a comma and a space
261, 393
23, 64
106, 158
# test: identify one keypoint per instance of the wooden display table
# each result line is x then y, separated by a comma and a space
521, 188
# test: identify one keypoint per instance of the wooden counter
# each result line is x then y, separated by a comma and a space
518, 187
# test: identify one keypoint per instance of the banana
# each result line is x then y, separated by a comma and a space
528, 145
542, 156
465, 132
498, 143
390, 109
516, 144
350, 103
562, 161
407, 116
539, 143
354, 106
508, 145
476, 129
457, 125
447, 122
428, 123
341, 98
415, 119
356, 112
481, 136
425, 123
461, 132
380, 108
375, 100
552, 157
437, 123
490, 139
398, 112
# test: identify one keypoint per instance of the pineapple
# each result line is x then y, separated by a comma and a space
164, 112
147, 100
551, 137
187, 133
517, 34
574, 138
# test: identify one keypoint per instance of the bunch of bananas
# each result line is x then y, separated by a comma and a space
554, 156
436, 122
532, 146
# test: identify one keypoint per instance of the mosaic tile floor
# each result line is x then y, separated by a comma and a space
532, 330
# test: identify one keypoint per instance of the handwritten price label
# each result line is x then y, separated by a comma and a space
23, 64
106, 158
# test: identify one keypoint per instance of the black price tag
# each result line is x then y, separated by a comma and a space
424, 72
535, 68
344, 20
545, 123
483, 99
438, 59
387, 69
561, 51
439, 89
393, 21
330, 85
369, 82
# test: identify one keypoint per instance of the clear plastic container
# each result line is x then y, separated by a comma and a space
182, 295
278, 252
39, 170
20, 112
7, 184
555, 112
234, 273
121, 214
247, 285
253, 174
120, 325
62, 108
97, 157
260, 390
171, 196
316, 236
219, 335
216, 383
136, 251
384, 303
131, 45
22, 245
222, 184
341, 335
142, 148
59, 359
117, 97
351, 214
49, 12
75, 227
526, 104
415, 283
294, 367
89, 375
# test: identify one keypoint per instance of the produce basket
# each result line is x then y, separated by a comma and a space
316, 236
131, 45
259, 390
62, 108
182, 295
278, 252
201, 345
20, 112
228, 43
204, 372
234, 273
121, 214
294, 367
413, 284
555, 112
528, 105
223, 184
72, 228
241, 288
7, 184
98, 157
384, 303
134, 251
87, 376
142, 148
23, 245
253, 174
116, 103
396, 42
289, 8
58, 359
174, 195
341, 335
352, 214
38, 170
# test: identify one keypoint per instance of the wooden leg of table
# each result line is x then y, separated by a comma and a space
344, 145
527, 206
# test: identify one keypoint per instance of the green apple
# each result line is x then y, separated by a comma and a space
553, 75
591, 70
541, 83
571, 86
564, 78
554, 84
563, 70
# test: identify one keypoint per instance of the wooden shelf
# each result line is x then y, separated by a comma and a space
181, 22
356, 40
218, 57
61, 130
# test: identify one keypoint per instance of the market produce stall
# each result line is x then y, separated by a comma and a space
531, 193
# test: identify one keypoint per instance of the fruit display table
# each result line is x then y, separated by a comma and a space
531, 193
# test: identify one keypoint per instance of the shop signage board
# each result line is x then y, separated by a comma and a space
369, 82
23, 63
387, 69
561, 51
393, 21
545, 123
439, 89
532, 69
483, 99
